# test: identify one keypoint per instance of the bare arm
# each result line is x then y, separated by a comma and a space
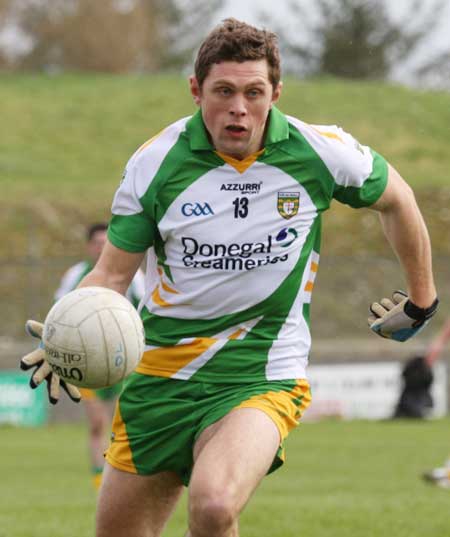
438, 344
406, 232
115, 269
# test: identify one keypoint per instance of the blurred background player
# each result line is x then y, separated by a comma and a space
439, 476
98, 404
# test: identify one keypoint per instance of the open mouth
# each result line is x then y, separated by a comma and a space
235, 128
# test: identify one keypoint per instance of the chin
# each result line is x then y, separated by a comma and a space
238, 155
235, 151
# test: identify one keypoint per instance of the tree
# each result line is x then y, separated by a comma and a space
359, 39
110, 36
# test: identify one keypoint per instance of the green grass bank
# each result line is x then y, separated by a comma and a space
66, 139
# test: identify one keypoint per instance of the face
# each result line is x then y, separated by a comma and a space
95, 245
235, 100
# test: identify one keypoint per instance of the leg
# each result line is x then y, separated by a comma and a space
230, 459
99, 417
134, 505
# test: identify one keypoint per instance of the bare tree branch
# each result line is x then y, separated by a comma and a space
111, 35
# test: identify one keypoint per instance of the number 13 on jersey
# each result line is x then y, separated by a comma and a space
240, 207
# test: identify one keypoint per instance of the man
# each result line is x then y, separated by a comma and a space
98, 404
439, 476
231, 198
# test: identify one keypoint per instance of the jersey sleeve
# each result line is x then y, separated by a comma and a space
359, 173
132, 227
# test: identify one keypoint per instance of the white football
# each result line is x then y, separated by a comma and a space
93, 337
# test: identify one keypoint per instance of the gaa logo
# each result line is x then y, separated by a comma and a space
196, 209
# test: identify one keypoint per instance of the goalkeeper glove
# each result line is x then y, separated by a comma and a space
399, 318
43, 369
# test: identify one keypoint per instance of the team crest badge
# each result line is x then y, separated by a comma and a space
288, 204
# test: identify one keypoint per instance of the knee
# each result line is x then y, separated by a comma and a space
211, 512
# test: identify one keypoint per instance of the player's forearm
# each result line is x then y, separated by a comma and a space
438, 344
405, 230
115, 269
101, 278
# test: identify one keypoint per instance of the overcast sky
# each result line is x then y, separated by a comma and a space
248, 11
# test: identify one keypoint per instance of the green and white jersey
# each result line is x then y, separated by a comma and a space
73, 276
237, 243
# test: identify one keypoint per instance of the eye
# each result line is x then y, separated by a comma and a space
253, 92
224, 91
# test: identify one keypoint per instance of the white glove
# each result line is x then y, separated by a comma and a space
43, 369
398, 318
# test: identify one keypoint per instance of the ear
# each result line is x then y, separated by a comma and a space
195, 90
277, 92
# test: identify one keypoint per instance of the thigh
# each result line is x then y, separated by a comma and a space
154, 426
233, 455
98, 414
131, 504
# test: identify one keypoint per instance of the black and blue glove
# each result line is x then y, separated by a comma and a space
399, 318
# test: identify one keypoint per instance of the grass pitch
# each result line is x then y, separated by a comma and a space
341, 479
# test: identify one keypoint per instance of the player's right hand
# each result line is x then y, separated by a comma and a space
43, 370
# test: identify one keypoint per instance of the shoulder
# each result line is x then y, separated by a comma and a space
158, 146
147, 160
348, 161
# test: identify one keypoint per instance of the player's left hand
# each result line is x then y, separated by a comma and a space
399, 318
43, 370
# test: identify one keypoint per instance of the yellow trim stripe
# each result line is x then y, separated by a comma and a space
87, 394
240, 165
166, 361
168, 289
329, 134
148, 142
284, 408
309, 286
238, 333
156, 297
314, 267
119, 453
182, 360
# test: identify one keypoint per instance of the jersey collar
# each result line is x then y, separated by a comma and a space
277, 131
198, 136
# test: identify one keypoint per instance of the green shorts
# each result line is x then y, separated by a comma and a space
157, 420
103, 394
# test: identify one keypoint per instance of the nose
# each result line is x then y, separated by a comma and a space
238, 107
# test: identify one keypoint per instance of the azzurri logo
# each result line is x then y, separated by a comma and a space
196, 209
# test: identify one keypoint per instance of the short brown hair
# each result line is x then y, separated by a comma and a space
237, 41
